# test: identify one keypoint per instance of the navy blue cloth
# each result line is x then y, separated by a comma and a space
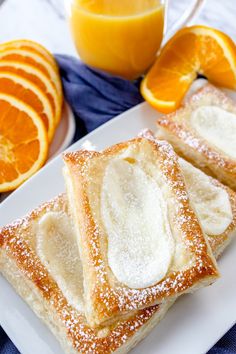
95, 98
6, 346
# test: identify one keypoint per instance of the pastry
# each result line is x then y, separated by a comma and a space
41, 251
140, 241
39, 257
203, 131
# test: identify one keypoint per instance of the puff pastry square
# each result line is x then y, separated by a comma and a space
39, 257
213, 202
203, 131
41, 251
139, 238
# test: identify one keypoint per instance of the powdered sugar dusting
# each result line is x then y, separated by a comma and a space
175, 124
84, 338
113, 298
140, 244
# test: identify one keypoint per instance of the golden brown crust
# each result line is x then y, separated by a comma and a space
107, 301
215, 241
14, 241
176, 129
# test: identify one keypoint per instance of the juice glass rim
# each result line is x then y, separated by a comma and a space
160, 4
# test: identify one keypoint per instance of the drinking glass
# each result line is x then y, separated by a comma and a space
122, 37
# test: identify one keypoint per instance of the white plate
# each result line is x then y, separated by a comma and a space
191, 326
64, 133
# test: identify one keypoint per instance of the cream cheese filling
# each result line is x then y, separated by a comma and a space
211, 202
58, 251
134, 214
217, 126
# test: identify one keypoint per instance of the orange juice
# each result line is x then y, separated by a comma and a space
118, 36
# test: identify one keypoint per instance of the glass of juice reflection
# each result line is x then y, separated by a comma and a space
121, 37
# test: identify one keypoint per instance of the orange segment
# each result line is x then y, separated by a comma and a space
191, 51
23, 142
30, 94
38, 78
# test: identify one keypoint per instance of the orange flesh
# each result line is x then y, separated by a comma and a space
19, 146
32, 78
192, 51
10, 87
30, 61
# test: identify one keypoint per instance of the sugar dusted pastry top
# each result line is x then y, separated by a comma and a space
178, 259
203, 131
57, 249
217, 126
211, 201
52, 222
140, 244
21, 241
214, 203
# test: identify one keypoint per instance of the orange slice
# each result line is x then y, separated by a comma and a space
31, 46
191, 51
23, 142
38, 78
30, 94
35, 59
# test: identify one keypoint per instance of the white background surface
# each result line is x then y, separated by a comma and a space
44, 20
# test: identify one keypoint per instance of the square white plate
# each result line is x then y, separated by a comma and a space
191, 326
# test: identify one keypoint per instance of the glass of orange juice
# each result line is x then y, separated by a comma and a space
121, 37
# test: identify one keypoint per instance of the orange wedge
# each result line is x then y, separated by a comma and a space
35, 59
191, 51
38, 78
30, 94
23, 142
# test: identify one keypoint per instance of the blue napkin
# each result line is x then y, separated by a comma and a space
95, 98
6, 346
